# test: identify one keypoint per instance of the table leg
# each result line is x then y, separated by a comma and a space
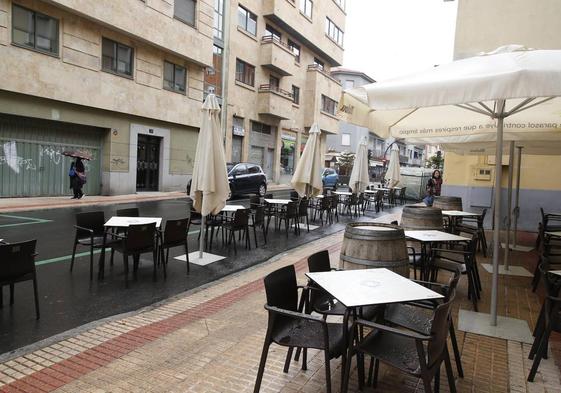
101, 263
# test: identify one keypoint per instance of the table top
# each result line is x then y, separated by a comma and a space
459, 213
371, 191
365, 287
232, 208
278, 201
554, 233
435, 236
124, 222
343, 192
558, 272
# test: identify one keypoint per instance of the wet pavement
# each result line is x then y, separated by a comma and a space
69, 300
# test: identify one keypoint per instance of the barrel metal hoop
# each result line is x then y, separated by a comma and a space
369, 262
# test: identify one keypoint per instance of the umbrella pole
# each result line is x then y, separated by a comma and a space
497, 211
202, 239
517, 196
509, 204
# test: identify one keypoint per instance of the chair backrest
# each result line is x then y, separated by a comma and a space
380, 195
281, 288
259, 217
294, 196
91, 220
268, 196
303, 207
140, 236
402, 192
176, 230
291, 209
319, 262
254, 201
452, 267
439, 329
17, 259
325, 202
241, 218
129, 212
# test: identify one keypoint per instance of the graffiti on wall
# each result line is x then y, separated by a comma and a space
13, 161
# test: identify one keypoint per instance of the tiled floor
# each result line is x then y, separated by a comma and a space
210, 341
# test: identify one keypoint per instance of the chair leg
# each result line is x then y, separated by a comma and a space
255, 235
73, 254
288, 359
262, 362
36, 294
427, 383
542, 351
449, 373
12, 287
126, 263
91, 262
456, 350
327, 372
186, 256
437, 381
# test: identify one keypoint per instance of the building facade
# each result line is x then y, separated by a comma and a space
482, 26
279, 83
122, 80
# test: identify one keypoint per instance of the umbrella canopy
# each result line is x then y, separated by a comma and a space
209, 186
393, 174
307, 176
359, 175
511, 93
77, 154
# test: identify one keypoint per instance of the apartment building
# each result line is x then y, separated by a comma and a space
122, 80
483, 26
279, 82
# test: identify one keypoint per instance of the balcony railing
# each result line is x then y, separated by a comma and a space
275, 89
320, 69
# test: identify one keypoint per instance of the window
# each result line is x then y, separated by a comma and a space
184, 10
252, 169
346, 139
295, 48
341, 3
218, 27
247, 20
34, 30
237, 127
296, 94
333, 32
116, 57
306, 7
240, 169
245, 73
348, 84
174, 77
260, 128
272, 32
274, 83
319, 64
328, 105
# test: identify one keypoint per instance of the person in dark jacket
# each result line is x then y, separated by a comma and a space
434, 186
77, 175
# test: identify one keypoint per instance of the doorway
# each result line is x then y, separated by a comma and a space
148, 163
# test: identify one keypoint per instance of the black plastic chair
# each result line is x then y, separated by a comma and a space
17, 264
402, 197
551, 321
464, 225
289, 214
139, 239
303, 211
129, 212
334, 207
323, 206
258, 221
90, 232
288, 326
174, 235
416, 354
550, 254
254, 202
417, 316
294, 197
240, 223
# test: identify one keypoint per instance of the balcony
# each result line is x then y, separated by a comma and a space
277, 56
319, 83
275, 102
322, 82
310, 32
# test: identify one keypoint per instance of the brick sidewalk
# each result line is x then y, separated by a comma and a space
210, 341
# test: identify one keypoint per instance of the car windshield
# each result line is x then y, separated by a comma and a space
229, 167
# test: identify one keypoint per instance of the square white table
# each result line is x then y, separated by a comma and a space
365, 287
278, 201
459, 213
124, 222
370, 191
232, 208
346, 193
425, 236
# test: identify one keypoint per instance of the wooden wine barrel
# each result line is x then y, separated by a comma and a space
415, 217
448, 203
370, 245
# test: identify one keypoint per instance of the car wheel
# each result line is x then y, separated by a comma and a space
262, 190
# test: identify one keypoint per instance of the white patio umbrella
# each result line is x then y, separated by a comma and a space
359, 175
209, 186
393, 174
468, 101
307, 176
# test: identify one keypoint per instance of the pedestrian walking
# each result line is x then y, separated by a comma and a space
434, 186
77, 174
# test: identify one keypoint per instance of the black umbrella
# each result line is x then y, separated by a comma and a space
77, 154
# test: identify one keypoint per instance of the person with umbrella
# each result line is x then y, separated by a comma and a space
77, 173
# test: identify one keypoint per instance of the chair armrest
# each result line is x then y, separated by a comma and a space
412, 249
431, 284
295, 315
388, 329
119, 236
84, 229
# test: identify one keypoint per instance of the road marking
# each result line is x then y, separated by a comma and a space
28, 220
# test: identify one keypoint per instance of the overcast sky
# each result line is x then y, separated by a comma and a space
388, 38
